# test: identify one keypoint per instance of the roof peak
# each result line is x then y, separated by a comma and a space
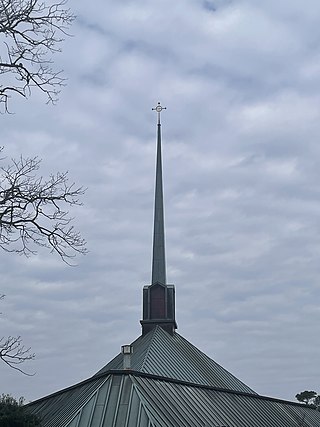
172, 356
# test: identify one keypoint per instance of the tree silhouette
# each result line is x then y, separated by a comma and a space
30, 33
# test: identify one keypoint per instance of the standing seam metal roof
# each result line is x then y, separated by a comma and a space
126, 399
160, 353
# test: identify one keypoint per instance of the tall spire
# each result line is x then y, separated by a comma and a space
158, 298
158, 257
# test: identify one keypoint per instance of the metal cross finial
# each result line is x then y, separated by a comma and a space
158, 109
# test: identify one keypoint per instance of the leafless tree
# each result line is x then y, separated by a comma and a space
31, 31
33, 211
13, 352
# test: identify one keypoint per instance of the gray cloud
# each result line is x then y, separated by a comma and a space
241, 150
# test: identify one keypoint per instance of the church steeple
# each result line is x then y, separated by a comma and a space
159, 257
158, 298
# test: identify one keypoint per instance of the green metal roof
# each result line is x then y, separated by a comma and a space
172, 356
170, 384
127, 399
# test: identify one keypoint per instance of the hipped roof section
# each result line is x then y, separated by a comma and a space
130, 400
172, 356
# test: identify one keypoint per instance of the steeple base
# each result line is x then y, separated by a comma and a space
167, 325
158, 308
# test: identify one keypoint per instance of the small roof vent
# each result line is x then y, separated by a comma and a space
127, 351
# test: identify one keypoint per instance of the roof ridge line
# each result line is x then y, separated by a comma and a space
209, 360
133, 373
56, 393
148, 350
208, 387
143, 402
94, 395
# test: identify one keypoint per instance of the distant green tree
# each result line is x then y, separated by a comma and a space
309, 397
306, 396
317, 402
13, 413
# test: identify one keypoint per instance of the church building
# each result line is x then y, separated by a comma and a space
161, 379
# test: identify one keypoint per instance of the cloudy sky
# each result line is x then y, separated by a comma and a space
241, 83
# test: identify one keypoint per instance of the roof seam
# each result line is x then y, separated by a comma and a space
207, 387
174, 381
208, 361
149, 347
144, 403
56, 393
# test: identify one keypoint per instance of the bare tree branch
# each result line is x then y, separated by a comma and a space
13, 353
33, 211
30, 33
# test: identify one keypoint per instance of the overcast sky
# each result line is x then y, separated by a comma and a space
241, 83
